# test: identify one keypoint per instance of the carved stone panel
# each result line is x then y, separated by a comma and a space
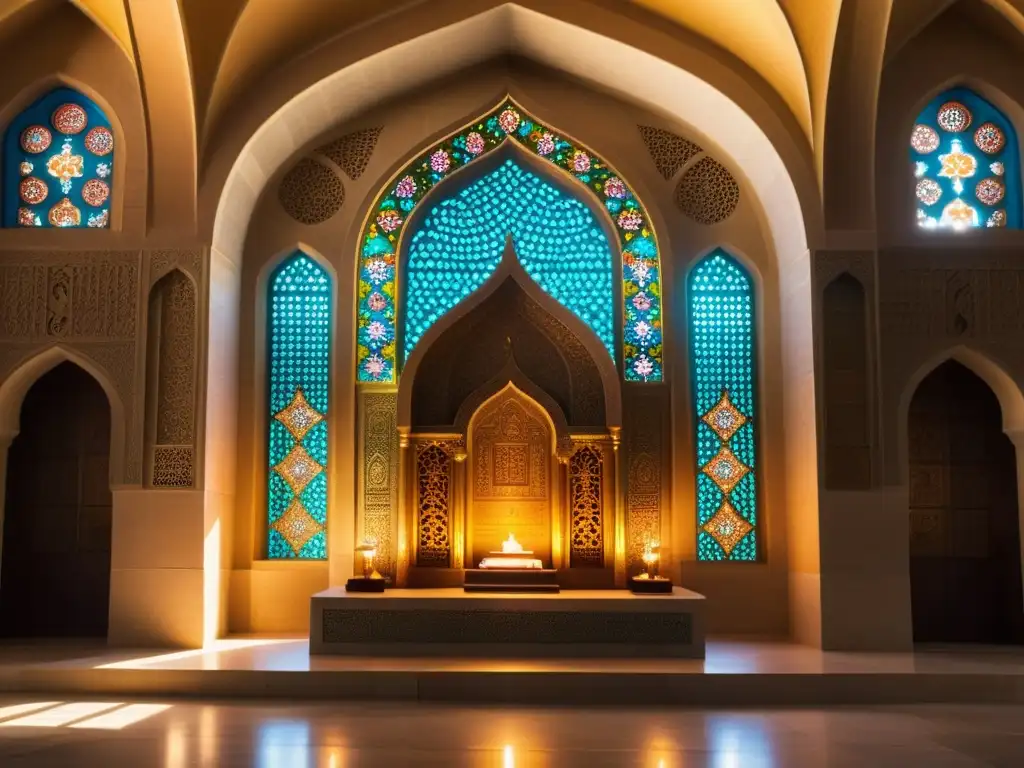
586, 524
378, 474
511, 463
646, 415
433, 505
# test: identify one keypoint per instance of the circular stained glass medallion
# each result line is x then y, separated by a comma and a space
924, 139
95, 192
99, 141
36, 139
989, 138
26, 218
990, 191
954, 117
33, 190
69, 119
928, 191
65, 214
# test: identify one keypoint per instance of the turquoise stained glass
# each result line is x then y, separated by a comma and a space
461, 241
722, 347
58, 160
298, 338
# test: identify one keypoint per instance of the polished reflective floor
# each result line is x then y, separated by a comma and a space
83, 734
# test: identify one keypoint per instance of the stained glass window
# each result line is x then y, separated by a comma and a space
298, 359
722, 348
58, 161
966, 164
378, 251
460, 244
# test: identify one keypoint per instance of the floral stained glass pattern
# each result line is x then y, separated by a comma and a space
960, 150
379, 248
722, 347
298, 356
63, 143
460, 244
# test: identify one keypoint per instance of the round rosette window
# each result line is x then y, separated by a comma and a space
990, 191
95, 192
954, 117
36, 139
33, 190
929, 191
924, 139
99, 141
69, 119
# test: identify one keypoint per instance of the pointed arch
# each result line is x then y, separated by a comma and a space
58, 162
298, 354
385, 226
722, 315
18, 383
965, 158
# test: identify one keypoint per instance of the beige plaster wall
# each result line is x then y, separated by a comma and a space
609, 127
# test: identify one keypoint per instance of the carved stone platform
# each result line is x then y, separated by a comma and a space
450, 622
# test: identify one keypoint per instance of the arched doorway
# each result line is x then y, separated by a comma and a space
55, 575
965, 572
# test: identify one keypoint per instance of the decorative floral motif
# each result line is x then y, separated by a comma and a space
727, 527
958, 165
376, 361
475, 143
924, 139
377, 331
997, 168
725, 418
36, 139
920, 169
929, 191
32, 190
25, 168
69, 119
65, 214
989, 138
99, 141
580, 161
298, 469
997, 219
630, 219
297, 526
99, 220
545, 145
990, 191
954, 117
440, 161
389, 220
725, 470
615, 188
65, 166
642, 330
26, 218
95, 192
509, 120
405, 188
959, 215
299, 416
103, 170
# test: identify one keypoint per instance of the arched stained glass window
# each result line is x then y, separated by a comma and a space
966, 164
298, 361
723, 350
58, 164
461, 242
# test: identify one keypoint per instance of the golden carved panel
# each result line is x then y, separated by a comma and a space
510, 470
586, 468
433, 502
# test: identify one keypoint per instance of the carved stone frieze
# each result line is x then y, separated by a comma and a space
433, 504
828, 265
188, 260
586, 506
646, 415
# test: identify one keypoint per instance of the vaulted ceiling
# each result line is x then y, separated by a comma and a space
196, 59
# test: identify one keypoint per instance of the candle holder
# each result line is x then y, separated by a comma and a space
371, 580
649, 582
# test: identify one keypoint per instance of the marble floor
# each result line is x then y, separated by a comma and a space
69, 733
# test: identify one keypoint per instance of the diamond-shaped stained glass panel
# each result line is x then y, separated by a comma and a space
297, 526
725, 419
727, 527
299, 417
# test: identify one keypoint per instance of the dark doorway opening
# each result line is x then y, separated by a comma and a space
55, 574
965, 577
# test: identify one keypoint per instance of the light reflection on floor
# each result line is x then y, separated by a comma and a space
303, 735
